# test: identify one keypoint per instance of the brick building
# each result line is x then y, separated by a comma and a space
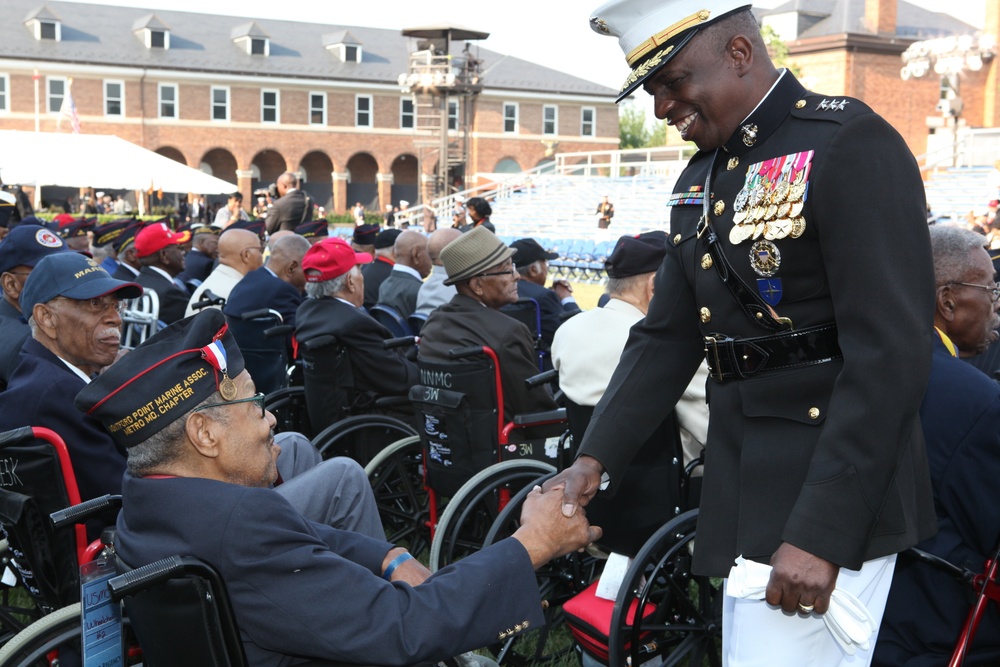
248, 99
854, 47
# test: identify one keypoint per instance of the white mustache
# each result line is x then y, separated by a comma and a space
109, 332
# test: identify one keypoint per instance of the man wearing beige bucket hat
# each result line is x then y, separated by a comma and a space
784, 270
480, 267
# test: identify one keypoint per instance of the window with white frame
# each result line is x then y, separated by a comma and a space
510, 117
406, 113
168, 100
114, 98
352, 53
317, 108
4, 92
258, 46
587, 115
550, 119
363, 111
55, 88
220, 103
49, 30
452, 114
270, 106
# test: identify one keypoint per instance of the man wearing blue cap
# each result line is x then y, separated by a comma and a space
799, 261
74, 309
20, 250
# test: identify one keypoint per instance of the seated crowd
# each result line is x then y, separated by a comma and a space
190, 477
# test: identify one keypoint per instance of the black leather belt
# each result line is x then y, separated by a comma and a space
739, 358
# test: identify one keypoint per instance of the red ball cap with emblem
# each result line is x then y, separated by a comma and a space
331, 259
156, 237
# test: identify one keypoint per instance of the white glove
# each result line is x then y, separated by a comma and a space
847, 619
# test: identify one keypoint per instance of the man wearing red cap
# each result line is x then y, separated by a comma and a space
335, 287
159, 251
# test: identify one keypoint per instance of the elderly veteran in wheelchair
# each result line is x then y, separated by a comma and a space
481, 268
960, 415
197, 484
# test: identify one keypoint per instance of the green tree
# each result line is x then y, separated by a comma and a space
777, 49
632, 130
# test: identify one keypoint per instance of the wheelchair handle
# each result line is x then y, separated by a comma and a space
261, 313
402, 341
140, 578
208, 298
461, 352
318, 343
85, 510
542, 378
16, 436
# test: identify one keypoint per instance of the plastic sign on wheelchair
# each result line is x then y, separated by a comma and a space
101, 616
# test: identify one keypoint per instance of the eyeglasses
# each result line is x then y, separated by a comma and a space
511, 271
257, 398
99, 304
994, 290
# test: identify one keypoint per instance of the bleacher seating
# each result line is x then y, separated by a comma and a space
955, 191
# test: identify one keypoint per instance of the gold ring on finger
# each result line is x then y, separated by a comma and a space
805, 608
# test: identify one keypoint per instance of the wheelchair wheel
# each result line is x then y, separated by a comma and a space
289, 408
397, 478
361, 437
678, 614
470, 513
17, 611
58, 630
558, 581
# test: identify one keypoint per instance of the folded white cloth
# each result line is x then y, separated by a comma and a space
847, 619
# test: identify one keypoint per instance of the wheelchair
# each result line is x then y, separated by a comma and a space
443, 488
263, 339
140, 319
347, 422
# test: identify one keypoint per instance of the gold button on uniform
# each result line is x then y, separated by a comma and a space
733, 163
706, 315
720, 207
677, 239
813, 413
800, 104
706, 261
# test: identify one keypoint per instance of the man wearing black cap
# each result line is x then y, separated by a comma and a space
314, 230
200, 459
125, 254
364, 238
20, 251
199, 260
480, 267
376, 271
399, 290
798, 260
556, 304
158, 249
74, 309
76, 233
586, 349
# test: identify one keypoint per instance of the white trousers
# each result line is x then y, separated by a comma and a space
755, 634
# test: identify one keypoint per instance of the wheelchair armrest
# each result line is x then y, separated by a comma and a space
318, 343
462, 352
947, 567
392, 401
280, 330
260, 314
542, 378
85, 510
402, 341
530, 418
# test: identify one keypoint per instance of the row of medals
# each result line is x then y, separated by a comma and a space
773, 213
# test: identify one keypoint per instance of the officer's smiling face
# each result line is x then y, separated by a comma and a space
699, 92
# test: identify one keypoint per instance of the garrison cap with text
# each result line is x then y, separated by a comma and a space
314, 229
161, 381
107, 232
651, 32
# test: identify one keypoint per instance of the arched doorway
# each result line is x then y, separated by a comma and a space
508, 165
405, 179
316, 172
220, 163
361, 181
267, 165
172, 153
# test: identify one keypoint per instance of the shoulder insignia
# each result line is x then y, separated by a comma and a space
832, 105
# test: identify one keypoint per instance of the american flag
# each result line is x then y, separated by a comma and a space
68, 109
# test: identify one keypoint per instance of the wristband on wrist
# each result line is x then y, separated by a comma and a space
396, 562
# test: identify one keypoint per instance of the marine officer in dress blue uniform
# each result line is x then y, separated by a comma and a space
799, 266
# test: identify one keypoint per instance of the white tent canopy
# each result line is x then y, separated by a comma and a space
97, 160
